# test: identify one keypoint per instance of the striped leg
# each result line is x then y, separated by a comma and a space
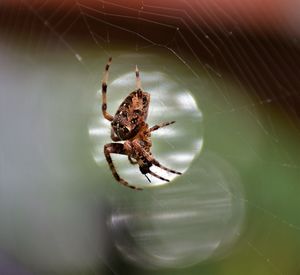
143, 154
132, 161
113, 136
138, 79
156, 163
104, 90
163, 124
116, 148
157, 176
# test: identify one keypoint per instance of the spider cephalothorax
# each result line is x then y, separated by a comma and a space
129, 125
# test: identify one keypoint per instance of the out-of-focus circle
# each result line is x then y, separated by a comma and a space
174, 146
195, 219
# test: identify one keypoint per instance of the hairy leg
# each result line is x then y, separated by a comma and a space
149, 160
132, 161
116, 148
160, 125
156, 163
104, 90
113, 136
138, 79
159, 177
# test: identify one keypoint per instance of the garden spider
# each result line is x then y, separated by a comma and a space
129, 125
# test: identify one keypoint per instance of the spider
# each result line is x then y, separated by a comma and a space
129, 125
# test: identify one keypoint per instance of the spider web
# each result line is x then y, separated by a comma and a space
245, 82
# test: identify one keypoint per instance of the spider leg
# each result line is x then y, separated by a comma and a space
147, 178
132, 161
104, 90
138, 79
156, 163
157, 176
144, 168
116, 148
128, 150
150, 160
113, 136
160, 125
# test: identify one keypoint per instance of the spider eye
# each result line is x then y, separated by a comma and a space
134, 120
126, 104
137, 112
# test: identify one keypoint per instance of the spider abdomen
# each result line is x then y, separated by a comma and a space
131, 114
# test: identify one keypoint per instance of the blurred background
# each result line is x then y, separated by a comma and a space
226, 71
